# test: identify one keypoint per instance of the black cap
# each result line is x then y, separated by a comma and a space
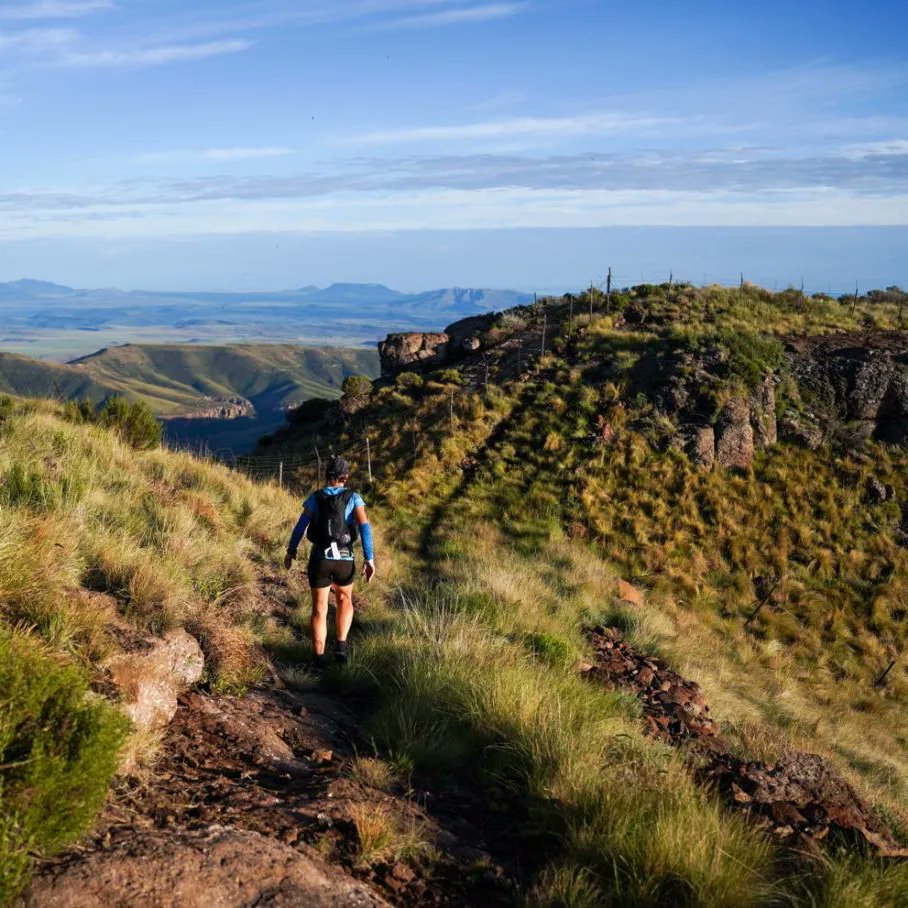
337, 468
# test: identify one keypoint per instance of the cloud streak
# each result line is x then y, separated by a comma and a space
457, 16
55, 9
153, 56
216, 155
517, 127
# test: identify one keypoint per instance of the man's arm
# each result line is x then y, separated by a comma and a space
365, 533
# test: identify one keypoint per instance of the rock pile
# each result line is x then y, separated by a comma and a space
800, 798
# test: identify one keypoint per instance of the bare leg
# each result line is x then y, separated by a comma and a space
318, 624
344, 611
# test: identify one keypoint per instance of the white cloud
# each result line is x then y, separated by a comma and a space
56, 9
457, 16
871, 149
216, 155
37, 40
154, 56
518, 126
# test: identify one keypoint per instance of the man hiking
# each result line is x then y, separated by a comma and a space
333, 517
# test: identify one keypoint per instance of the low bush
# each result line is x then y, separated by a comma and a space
58, 752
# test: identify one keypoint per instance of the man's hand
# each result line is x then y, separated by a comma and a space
288, 561
369, 571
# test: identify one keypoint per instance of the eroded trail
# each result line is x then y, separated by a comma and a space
255, 801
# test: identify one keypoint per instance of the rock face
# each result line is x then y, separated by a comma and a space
399, 352
150, 678
417, 350
856, 377
217, 866
763, 413
220, 408
734, 435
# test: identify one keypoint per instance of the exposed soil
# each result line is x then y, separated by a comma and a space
253, 802
801, 798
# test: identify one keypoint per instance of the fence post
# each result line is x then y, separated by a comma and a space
608, 290
571, 316
854, 302
591, 304
280, 475
545, 317
369, 460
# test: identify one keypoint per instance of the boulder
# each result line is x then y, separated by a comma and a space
734, 435
400, 352
464, 334
149, 679
800, 431
702, 447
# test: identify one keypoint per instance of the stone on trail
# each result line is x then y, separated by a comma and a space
150, 678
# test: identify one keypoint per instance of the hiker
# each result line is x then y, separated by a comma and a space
334, 517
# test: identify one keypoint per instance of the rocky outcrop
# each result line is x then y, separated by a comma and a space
218, 408
419, 350
400, 352
148, 679
702, 447
859, 377
763, 413
734, 435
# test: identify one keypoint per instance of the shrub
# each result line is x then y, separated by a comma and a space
58, 751
357, 386
134, 421
408, 381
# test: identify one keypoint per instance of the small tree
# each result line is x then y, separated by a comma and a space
133, 420
357, 386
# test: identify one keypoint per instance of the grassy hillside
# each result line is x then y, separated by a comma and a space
175, 379
513, 525
95, 537
172, 377
504, 527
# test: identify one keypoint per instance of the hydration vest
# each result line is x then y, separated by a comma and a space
330, 524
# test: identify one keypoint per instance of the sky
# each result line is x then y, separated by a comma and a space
523, 143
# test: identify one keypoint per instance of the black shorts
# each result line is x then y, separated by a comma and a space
325, 572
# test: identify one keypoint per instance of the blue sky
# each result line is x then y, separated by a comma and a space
160, 144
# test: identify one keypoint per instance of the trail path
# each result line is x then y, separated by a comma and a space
253, 802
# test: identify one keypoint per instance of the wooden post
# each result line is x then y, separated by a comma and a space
742, 282
882, 679
854, 302
545, 317
591, 304
608, 290
280, 475
571, 315
671, 280
802, 291
369, 459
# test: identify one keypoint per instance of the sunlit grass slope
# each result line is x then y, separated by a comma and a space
171, 540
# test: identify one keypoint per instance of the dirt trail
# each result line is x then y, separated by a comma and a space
801, 798
253, 802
